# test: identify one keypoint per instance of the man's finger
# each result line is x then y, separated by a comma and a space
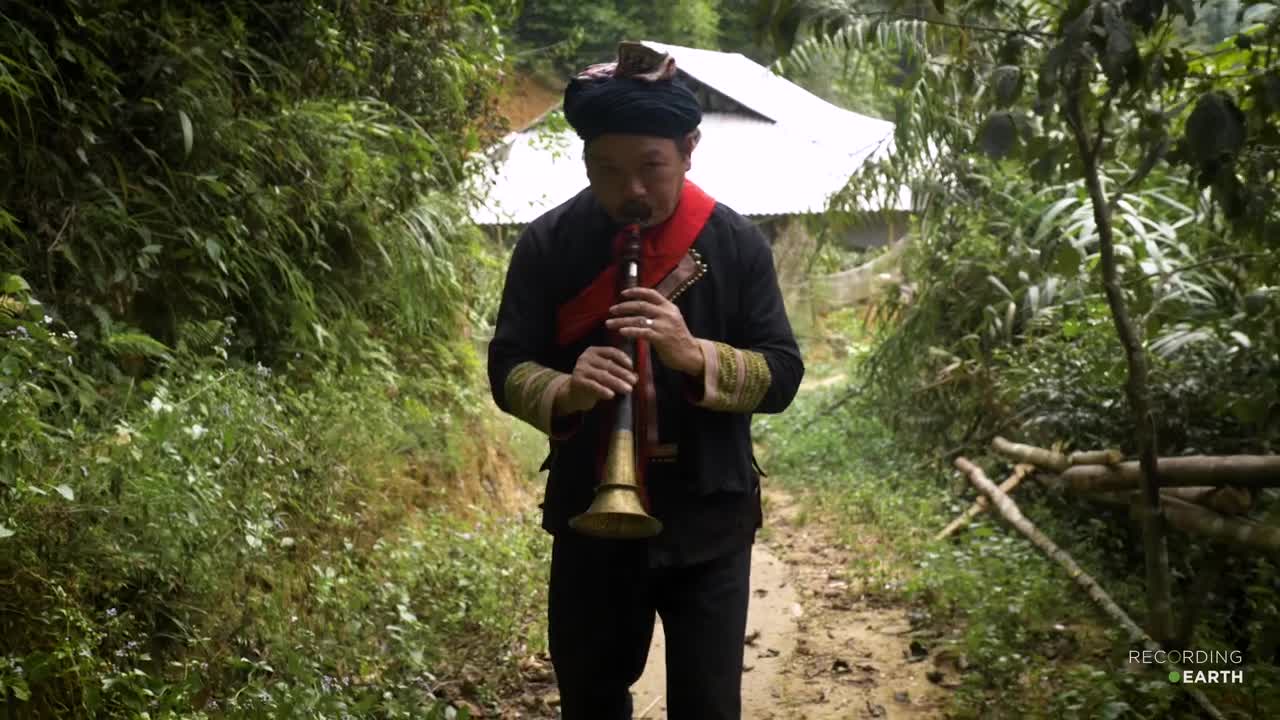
596, 384
635, 307
645, 294
600, 391
609, 379
615, 354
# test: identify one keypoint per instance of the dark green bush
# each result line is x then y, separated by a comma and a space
235, 278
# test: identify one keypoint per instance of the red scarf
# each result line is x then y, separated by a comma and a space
661, 249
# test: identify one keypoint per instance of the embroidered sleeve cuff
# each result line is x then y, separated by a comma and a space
733, 380
531, 392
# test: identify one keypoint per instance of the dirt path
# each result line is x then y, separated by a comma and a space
816, 650
771, 633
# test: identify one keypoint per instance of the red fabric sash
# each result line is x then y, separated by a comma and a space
662, 246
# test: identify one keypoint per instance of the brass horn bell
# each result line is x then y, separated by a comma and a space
616, 512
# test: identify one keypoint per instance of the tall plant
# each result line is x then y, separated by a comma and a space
177, 163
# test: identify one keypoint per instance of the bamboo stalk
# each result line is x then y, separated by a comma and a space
1031, 454
1226, 500
1019, 472
1095, 457
1199, 520
1008, 509
1210, 470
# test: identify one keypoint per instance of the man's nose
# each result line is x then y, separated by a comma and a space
633, 188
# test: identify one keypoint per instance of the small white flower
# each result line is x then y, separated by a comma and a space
48, 320
197, 431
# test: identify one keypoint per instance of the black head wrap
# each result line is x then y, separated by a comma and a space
637, 95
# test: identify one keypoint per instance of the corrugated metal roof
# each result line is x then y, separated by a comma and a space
789, 166
759, 88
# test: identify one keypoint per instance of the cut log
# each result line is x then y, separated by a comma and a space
1198, 520
1226, 500
1211, 470
1096, 457
1031, 454
1008, 509
1019, 472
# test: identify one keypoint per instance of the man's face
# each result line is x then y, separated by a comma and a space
636, 176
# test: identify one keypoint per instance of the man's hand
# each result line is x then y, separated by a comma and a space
645, 314
600, 373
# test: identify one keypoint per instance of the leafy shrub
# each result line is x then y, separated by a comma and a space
232, 544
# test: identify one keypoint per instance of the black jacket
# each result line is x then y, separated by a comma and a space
737, 302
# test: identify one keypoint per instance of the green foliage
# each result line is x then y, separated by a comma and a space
1002, 327
180, 163
234, 281
1002, 269
567, 36
1029, 643
845, 66
231, 544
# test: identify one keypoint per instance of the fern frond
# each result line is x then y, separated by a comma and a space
136, 343
201, 335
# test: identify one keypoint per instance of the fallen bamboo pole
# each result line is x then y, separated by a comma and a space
1008, 509
1200, 520
1195, 470
1095, 457
1226, 500
1019, 472
1031, 454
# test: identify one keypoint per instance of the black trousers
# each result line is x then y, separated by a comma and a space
602, 602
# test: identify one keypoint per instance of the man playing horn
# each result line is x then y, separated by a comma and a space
713, 346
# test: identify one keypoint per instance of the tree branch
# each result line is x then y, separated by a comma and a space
1156, 549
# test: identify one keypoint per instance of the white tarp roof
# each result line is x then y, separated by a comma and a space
790, 164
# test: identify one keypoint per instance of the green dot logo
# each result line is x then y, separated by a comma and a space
1175, 676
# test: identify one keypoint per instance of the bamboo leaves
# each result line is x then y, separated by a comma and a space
188, 134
